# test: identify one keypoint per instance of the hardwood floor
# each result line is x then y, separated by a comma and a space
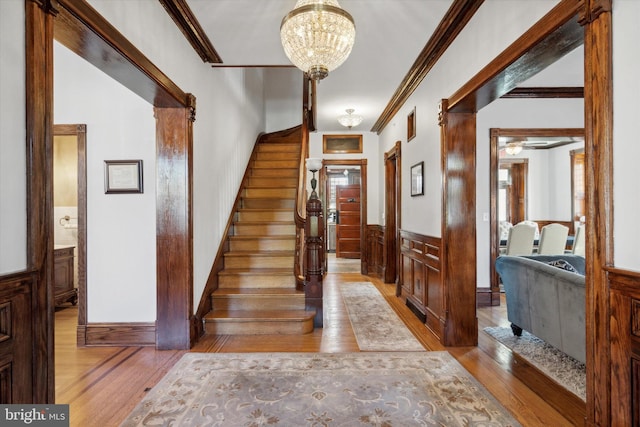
103, 384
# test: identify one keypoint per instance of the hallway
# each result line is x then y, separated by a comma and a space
103, 384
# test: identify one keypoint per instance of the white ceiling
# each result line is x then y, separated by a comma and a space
389, 37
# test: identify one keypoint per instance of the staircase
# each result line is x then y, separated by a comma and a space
256, 288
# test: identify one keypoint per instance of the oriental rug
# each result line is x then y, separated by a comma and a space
314, 389
376, 326
562, 368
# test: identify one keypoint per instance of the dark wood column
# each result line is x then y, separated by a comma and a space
39, 115
598, 126
458, 136
392, 180
174, 230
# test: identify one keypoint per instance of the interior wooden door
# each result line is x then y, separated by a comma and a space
348, 226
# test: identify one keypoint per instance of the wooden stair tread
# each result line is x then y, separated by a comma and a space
257, 271
259, 253
263, 292
262, 236
271, 315
264, 222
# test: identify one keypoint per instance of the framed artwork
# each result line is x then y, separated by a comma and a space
417, 185
122, 176
341, 144
411, 125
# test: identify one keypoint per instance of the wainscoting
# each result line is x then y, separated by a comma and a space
374, 249
420, 281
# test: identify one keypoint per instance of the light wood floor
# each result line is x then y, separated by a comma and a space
103, 384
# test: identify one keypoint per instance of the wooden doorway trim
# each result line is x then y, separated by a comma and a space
80, 132
363, 199
393, 214
566, 26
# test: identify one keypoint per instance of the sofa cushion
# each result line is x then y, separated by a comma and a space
560, 263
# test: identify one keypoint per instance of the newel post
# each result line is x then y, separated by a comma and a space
314, 245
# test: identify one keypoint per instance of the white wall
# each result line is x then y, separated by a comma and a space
370, 151
230, 115
13, 185
283, 98
484, 37
626, 152
121, 248
524, 113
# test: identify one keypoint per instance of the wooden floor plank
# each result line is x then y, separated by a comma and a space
103, 384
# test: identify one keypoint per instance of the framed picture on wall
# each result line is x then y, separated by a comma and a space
411, 125
417, 185
341, 144
122, 176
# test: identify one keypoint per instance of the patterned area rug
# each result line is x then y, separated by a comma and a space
564, 369
376, 326
312, 389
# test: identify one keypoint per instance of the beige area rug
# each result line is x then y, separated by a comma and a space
312, 389
376, 326
562, 368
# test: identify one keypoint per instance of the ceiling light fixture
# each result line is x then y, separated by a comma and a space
513, 148
317, 36
350, 120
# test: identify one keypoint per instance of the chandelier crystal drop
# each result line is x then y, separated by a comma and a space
350, 120
317, 36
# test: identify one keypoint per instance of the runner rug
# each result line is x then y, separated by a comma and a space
563, 369
376, 326
313, 389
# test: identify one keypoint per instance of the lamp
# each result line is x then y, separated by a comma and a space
313, 166
513, 148
350, 120
317, 36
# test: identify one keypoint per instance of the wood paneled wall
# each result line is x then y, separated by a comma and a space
421, 281
373, 253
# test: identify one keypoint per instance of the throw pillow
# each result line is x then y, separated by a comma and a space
560, 263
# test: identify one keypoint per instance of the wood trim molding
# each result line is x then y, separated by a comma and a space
552, 37
453, 22
84, 31
393, 205
118, 334
544, 92
188, 23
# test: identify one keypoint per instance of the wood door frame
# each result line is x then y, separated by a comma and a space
494, 163
79, 27
586, 22
393, 215
363, 199
80, 132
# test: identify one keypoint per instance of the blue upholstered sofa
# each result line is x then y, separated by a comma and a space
545, 300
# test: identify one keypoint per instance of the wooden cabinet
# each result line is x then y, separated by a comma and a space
64, 289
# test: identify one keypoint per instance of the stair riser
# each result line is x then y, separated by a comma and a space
268, 203
262, 148
248, 262
275, 173
256, 282
278, 155
273, 182
257, 302
284, 164
265, 215
257, 193
264, 230
263, 245
291, 327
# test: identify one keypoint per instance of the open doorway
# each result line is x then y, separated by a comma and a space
345, 189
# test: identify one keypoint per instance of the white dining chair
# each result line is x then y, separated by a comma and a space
578, 242
520, 240
553, 239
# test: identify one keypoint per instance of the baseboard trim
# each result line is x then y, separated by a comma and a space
117, 334
486, 297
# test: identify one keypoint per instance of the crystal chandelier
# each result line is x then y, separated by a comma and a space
513, 148
350, 120
317, 36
